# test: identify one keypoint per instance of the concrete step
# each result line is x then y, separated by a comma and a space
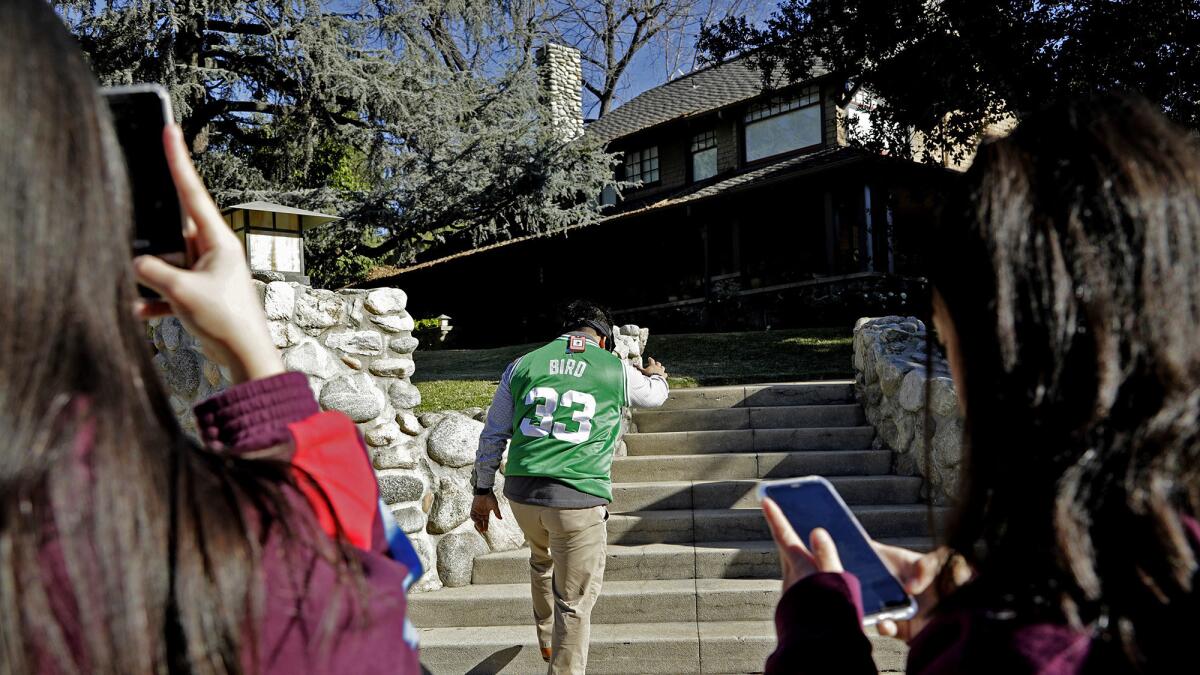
761, 395
709, 560
743, 647
616, 649
650, 601
750, 440
781, 417
623, 649
683, 526
743, 465
668, 495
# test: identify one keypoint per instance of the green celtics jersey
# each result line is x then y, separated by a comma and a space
567, 400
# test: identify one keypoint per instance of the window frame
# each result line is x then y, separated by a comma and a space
644, 155
777, 106
703, 142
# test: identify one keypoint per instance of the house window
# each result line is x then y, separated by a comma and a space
641, 166
783, 123
704, 155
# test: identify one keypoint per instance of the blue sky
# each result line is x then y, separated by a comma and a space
653, 65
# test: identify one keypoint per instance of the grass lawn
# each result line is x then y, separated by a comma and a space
454, 379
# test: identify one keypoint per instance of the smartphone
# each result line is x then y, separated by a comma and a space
140, 112
812, 502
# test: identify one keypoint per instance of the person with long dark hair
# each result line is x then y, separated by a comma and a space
1066, 282
126, 547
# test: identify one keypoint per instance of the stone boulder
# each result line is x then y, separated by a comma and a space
456, 553
318, 309
394, 323
409, 423
399, 456
356, 395
504, 534
284, 334
183, 372
409, 518
451, 506
384, 434
430, 420
172, 332
311, 359
404, 395
386, 300
395, 488
427, 553
279, 300
362, 342
393, 367
911, 396
404, 344
454, 440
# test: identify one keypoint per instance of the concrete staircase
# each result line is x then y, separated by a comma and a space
692, 575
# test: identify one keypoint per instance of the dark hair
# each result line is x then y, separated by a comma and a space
1072, 277
586, 314
159, 537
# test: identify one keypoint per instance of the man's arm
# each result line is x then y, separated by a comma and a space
496, 432
647, 387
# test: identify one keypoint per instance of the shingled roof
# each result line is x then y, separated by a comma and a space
699, 92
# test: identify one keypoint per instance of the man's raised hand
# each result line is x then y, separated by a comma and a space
653, 368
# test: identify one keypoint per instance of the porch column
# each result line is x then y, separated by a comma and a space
891, 237
830, 235
868, 229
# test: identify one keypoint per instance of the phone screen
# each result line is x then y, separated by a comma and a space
810, 504
140, 117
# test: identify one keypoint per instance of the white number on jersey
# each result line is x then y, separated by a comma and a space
546, 400
547, 403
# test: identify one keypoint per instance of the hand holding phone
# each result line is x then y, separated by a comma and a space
796, 559
921, 575
837, 543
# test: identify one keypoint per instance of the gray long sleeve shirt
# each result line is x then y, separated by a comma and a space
642, 392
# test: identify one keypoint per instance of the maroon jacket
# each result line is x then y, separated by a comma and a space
819, 625
281, 411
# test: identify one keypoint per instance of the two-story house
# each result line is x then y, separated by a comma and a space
749, 209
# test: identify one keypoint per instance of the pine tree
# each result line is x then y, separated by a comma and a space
415, 120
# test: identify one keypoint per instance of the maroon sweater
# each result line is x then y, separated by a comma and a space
295, 634
819, 625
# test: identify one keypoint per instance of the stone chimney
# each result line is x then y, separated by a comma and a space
560, 72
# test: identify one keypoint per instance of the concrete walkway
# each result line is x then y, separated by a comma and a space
692, 574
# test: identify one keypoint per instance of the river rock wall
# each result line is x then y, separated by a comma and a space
889, 381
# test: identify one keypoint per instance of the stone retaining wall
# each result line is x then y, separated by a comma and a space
889, 381
357, 349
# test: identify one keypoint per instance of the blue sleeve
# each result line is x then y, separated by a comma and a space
497, 430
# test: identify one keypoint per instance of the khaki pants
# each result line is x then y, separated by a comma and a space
566, 568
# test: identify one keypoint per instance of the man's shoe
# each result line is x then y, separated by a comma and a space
546, 654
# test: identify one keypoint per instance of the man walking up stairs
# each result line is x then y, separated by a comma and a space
561, 407
692, 574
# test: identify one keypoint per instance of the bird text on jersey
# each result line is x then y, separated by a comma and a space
567, 367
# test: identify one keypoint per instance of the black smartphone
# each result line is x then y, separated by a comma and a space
140, 112
812, 502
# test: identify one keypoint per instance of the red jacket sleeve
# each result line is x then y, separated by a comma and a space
819, 626
326, 450
329, 451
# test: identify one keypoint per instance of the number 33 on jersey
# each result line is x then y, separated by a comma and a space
567, 415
